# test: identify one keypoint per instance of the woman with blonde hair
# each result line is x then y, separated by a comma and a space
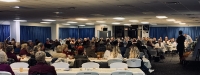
23, 50
115, 51
66, 50
3, 61
59, 53
132, 52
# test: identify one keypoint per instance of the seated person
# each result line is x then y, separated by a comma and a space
17, 49
3, 61
59, 53
160, 46
132, 52
150, 45
91, 52
108, 50
24, 50
80, 58
173, 45
10, 53
66, 50
115, 51
101, 49
41, 67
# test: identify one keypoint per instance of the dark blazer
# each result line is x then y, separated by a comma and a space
13, 56
6, 67
42, 68
180, 41
101, 48
79, 60
126, 55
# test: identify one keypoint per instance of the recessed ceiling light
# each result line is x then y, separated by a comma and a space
48, 20
101, 21
171, 20
119, 18
177, 22
21, 20
182, 23
16, 7
45, 22
72, 22
89, 23
115, 23
127, 24
10, 0
103, 25
161, 17
145, 22
81, 25
82, 19
65, 24
133, 21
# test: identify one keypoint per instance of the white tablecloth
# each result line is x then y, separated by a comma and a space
74, 71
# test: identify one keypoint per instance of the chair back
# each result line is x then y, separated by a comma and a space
87, 73
90, 65
118, 65
61, 65
19, 65
121, 73
113, 61
5, 73
134, 62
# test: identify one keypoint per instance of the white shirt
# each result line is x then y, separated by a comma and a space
161, 46
108, 55
173, 46
188, 39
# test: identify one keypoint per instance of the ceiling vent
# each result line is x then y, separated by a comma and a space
125, 6
172, 3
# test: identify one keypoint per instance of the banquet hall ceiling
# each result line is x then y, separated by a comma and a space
186, 11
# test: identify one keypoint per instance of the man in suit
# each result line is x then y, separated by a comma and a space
180, 47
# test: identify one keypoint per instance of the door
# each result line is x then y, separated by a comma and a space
104, 34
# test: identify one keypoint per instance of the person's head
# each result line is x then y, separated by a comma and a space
93, 47
115, 43
41, 45
79, 40
85, 39
154, 39
115, 51
59, 49
9, 49
172, 40
180, 32
3, 57
40, 56
80, 50
1, 44
64, 47
109, 47
159, 41
23, 46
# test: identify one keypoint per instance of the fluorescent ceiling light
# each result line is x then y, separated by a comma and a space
115, 23
101, 21
45, 22
48, 20
82, 19
72, 22
21, 20
182, 23
89, 23
177, 22
127, 24
133, 21
145, 22
171, 20
17, 7
10, 0
161, 17
65, 24
81, 25
103, 25
119, 18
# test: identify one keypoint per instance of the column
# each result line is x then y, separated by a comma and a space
55, 31
100, 28
145, 33
15, 30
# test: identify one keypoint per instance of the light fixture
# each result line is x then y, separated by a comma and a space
65, 24
161, 17
171, 20
119, 18
48, 20
72, 22
89, 23
127, 24
103, 25
16, 7
115, 23
10, 0
177, 22
145, 22
81, 19
45, 22
81, 25
182, 23
101, 21
133, 21
20, 20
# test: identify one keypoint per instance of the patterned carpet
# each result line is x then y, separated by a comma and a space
170, 66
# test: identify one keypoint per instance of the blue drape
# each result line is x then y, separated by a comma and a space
68, 32
172, 32
34, 32
4, 32
86, 32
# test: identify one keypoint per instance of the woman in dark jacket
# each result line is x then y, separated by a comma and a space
10, 53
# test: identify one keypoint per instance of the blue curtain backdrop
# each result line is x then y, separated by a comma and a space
4, 32
68, 32
33, 32
76, 32
172, 32
86, 32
